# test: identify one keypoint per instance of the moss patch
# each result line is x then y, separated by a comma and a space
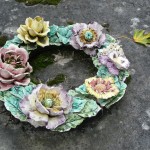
34, 2
41, 60
128, 80
58, 79
3, 40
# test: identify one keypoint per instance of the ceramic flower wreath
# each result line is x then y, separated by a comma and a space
53, 107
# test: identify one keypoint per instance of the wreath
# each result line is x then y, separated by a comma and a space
51, 106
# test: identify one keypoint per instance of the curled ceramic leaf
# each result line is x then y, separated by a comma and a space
81, 109
60, 35
87, 37
46, 106
12, 98
34, 31
14, 67
123, 74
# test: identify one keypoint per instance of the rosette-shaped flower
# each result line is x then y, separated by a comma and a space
46, 106
114, 58
34, 31
14, 67
87, 37
101, 88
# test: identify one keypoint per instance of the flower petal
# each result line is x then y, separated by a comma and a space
97, 27
17, 71
4, 87
37, 116
37, 123
43, 41
55, 111
5, 74
23, 54
74, 43
41, 108
102, 39
6, 81
28, 22
31, 39
25, 106
37, 25
20, 76
21, 37
23, 82
54, 122
32, 32
66, 101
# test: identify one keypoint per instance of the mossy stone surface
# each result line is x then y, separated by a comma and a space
58, 79
56, 65
3, 40
34, 2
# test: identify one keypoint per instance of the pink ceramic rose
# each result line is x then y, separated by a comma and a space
14, 67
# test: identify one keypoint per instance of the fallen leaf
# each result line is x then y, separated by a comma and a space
141, 37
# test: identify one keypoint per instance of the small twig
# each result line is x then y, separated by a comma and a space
124, 37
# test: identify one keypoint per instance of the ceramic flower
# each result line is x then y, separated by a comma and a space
114, 58
101, 88
105, 60
14, 67
46, 106
34, 31
87, 37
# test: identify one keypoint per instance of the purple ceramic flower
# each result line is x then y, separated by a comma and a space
46, 106
14, 67
87, 37
109, 64
113, 58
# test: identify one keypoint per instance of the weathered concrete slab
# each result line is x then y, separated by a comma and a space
127, 125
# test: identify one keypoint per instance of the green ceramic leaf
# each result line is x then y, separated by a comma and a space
81, 109
103, 72
59, 35
96, 62
15, 41
82, 89
1, 96
73, 120
53, 30
109, 39
78, 104
30, 47
12, 105
123, 75
12, 98
90, 109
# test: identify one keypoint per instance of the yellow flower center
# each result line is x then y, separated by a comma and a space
88, 36
52, 94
